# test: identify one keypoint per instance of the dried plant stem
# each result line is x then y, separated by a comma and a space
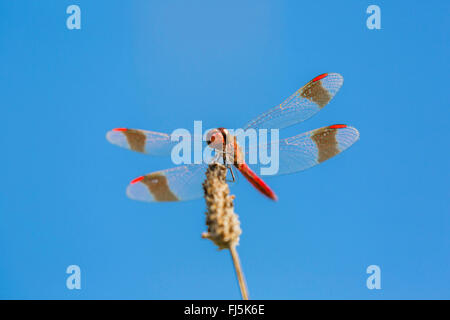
223, 223
239, 273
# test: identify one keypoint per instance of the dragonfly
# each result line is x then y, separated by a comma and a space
296, 153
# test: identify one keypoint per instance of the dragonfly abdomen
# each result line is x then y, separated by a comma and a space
256, 181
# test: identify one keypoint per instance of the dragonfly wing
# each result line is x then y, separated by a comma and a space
175, 184
149, 142
303, 104
154, 143
308, 149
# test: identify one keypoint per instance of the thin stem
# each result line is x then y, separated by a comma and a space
239, 273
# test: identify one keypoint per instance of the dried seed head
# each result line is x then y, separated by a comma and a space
223, 224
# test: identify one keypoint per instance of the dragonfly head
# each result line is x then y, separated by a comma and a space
215, 138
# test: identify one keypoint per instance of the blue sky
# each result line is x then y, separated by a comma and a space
160, 65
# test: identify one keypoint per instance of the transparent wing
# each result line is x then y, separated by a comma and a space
154, 143
302, 105
175, 184
308, 149
149, 142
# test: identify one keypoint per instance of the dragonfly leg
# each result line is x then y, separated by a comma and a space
232, 174
222, 156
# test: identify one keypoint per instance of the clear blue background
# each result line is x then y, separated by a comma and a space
161, 65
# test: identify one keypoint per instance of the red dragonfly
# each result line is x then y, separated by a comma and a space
296, 153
